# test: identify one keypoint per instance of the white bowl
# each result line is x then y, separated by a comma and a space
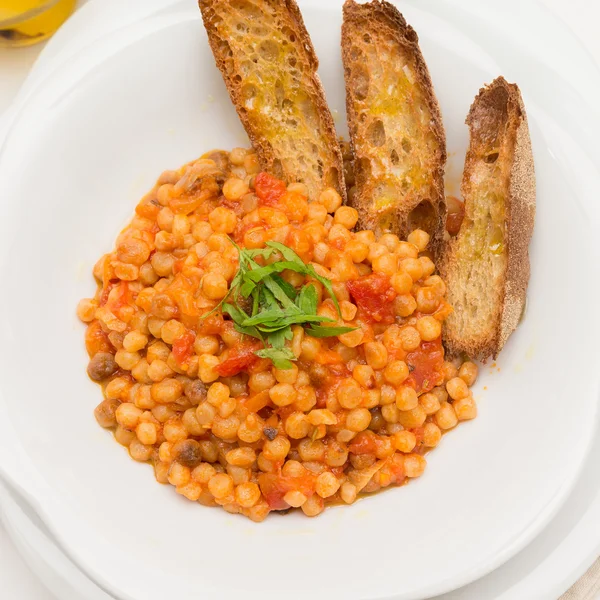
85, 148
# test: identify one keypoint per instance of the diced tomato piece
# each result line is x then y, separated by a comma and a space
239, 359
121, 297
96, 340
273, 489
364, 443
242, 228
373, 295
326, 386
183, 347
338, 471
367, 442
275, 486
235, 205
322, 395
426, 363
284, 412
269, 189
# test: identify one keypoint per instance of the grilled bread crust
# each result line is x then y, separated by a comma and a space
395, 123
486, 266
269, 66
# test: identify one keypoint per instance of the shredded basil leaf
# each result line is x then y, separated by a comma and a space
320, 331
276, 303
280, 357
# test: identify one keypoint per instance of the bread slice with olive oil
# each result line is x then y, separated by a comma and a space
486, 265
270, 69
395, 123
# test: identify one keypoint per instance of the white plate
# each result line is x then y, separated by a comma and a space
542, 571
487, 491
55, 572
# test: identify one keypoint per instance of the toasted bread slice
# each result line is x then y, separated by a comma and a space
270, 69
395, 123
486, 266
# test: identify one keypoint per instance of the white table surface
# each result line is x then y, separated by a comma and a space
17, 582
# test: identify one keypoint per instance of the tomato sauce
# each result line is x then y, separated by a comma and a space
118, 296
183, 347
364, 443
274, 486
426, 366
373, 294
269, 189
239, 359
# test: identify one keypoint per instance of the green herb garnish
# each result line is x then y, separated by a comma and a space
275, 305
